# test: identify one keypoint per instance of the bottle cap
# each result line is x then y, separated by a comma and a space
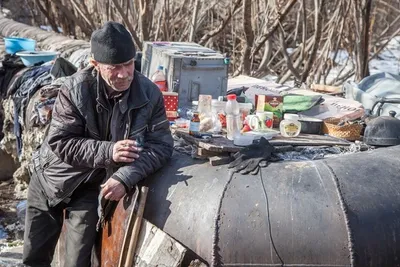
160, 67
231, 97
293, 117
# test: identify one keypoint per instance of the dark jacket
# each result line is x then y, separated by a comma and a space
84, 127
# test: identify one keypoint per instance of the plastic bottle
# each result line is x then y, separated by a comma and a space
233, 120
290, 126
159, 79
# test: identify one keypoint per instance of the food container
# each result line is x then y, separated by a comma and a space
245, 109
171, 105
310, 125
204, 104
218, 108
243, 140
182, 123
273, 103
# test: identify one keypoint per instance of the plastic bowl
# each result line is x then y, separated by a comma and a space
16, 44
32, 58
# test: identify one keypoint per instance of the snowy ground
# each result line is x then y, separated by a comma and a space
388, 60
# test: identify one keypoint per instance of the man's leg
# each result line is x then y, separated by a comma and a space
42, 227
80, 220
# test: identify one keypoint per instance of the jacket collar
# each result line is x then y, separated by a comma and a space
137, 95
133, 98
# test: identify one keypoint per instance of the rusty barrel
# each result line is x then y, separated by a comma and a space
342, 211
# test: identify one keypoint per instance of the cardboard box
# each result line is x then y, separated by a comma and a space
273, 103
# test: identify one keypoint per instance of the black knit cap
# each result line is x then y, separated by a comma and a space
112, 44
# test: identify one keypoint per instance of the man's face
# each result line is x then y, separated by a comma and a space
119, 77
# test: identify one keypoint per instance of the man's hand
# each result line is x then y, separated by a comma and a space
125, 151
113, 190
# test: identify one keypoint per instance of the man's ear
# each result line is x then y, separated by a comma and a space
94, 63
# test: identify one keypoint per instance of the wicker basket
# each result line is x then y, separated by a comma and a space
350, 132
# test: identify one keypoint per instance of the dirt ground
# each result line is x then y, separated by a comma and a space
11, 230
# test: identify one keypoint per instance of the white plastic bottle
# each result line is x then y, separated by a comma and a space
233, 120
159, 79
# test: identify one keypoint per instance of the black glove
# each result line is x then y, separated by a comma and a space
252, 157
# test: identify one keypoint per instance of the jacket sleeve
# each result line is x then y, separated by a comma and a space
157, 150
66, 136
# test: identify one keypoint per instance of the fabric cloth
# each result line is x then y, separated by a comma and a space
44, 224
299, 103
15, 79
21, 99
40, 107
80, 58
374, 88
30, 82
51, 90
9, 66
112, 44
62, 68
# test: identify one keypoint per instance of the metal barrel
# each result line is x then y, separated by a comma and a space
342, 211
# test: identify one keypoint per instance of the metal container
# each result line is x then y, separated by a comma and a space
383, 131
336, 212
310, 125
341, 211
190, 69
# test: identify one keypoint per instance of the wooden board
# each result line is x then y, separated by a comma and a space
221, 144
154, 247
335, 90
309, 140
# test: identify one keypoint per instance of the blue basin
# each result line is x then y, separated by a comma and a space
33, 57
16, 44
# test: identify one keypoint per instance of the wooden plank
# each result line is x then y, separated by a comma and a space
309, 140
207, 153
221, 144
156, 248
326, 89
215, 144
217, 160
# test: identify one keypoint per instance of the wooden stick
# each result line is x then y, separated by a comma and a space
136, 228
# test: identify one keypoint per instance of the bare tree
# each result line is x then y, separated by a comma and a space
297, 39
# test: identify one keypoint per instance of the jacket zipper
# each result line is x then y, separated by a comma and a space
107, 128
128, 126
139, 130
155, 125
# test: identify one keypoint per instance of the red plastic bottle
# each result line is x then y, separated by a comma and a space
159, 79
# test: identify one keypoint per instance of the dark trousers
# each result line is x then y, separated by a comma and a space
43, 226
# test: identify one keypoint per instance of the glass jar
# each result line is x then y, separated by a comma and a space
194, 126
290, 126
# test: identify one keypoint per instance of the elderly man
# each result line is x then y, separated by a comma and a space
92, 147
